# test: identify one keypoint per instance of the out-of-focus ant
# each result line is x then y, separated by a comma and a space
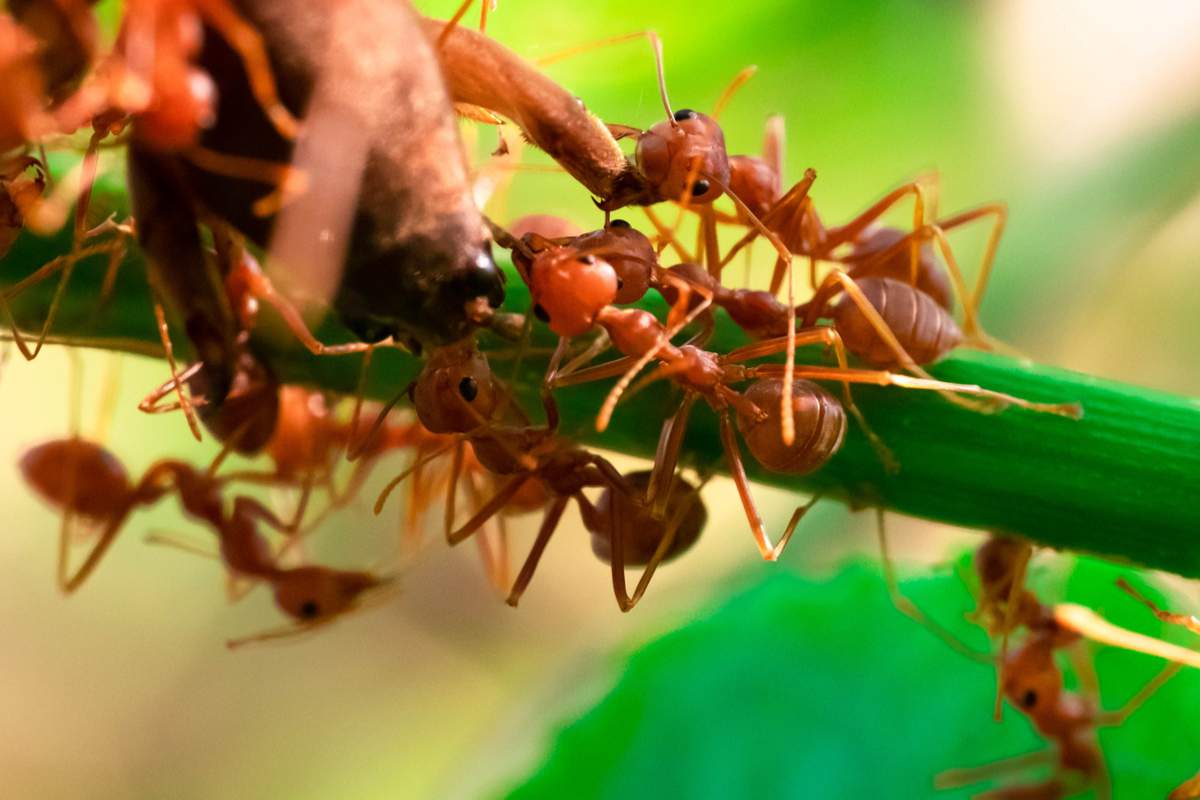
1033, 683
86, 480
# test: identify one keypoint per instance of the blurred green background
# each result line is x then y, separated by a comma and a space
1082, 116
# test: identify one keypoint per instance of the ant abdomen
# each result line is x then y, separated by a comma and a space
77, 475
923, 328
820, 424
643, 532
932, 278
691, 145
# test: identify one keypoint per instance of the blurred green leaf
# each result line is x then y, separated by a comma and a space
820, 688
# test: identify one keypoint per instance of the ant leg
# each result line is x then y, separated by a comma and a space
64, 264
954, 778
882, 378
614, 394
999, 214
617, 529
248, 44
1012, 602
666, 457
1192, 623
1114, 718
549, 523
416, 465
912, 610
666, 236
737, 471
492, 507
151, 403
840, 281
456, 466
1188, 790
289, 182
68, 582
262, 288
855, 227
786, 220
164, 333
495, 558
1090, 625
794, 522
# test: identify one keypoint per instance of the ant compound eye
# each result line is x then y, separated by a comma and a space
684, 114
619, 223
1029, 699
699, 187
309, 609
540, 313
468, 388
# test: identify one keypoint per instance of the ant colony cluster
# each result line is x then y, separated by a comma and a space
242, 145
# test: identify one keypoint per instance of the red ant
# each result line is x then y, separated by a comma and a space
574, 292
85, 479
456, 393
1033, 684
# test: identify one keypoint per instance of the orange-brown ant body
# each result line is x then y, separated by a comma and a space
87, 480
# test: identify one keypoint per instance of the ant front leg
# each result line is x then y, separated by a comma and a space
790, 219
737, 470
849, 232
490, 509
261, 287
549, 524
910, 609
248, 44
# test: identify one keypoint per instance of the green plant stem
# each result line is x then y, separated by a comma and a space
1121, 482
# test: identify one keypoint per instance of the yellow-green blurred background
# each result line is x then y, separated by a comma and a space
1076, 113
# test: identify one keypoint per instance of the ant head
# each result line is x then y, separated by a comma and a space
570, 288
77, 475
642, 532
313, 595
456, 391
755, 183
819, 419
1033, 683
673, 150
629, 252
